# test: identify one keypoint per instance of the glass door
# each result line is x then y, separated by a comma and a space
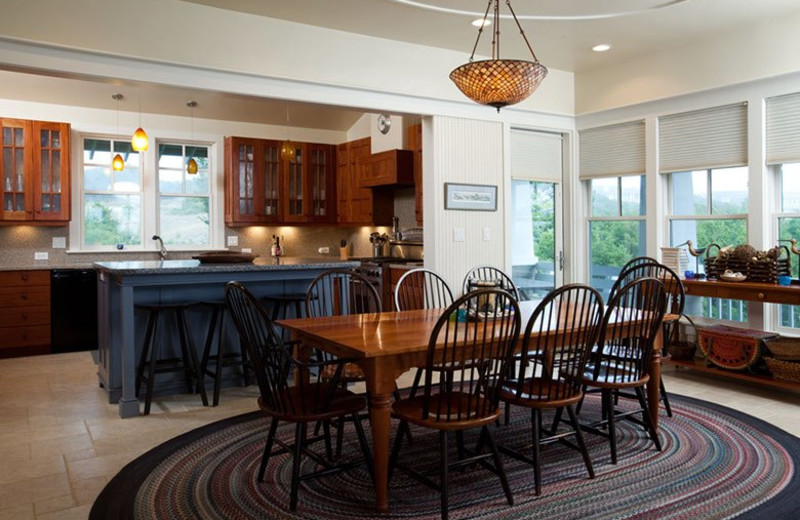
536, 238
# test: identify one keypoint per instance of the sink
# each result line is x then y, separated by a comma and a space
407, 249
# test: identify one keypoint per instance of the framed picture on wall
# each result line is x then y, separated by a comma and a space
470, 197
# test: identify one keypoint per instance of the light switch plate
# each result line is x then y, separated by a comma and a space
459, 235
246, 250
233, 241
59, 242
41, 255
487, 234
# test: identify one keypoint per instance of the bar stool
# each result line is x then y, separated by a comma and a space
280, 304
223, 357
151, 361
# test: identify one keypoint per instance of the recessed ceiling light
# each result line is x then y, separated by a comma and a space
481, 22
603, 47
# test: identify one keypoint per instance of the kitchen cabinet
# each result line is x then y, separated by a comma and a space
415, 145
261, 187
392, 168
355, 204
24, 313
35, 172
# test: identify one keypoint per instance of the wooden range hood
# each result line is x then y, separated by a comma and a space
392, 168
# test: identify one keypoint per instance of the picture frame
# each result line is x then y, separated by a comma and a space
470, 197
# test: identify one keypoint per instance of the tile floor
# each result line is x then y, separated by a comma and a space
60, 440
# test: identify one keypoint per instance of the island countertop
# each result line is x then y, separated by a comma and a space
154, 267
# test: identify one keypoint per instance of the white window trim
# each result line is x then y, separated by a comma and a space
149, 223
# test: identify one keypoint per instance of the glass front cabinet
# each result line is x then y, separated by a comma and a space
262, 187
35, 172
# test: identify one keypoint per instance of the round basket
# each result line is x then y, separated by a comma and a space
682, 350
783, 370
785, 348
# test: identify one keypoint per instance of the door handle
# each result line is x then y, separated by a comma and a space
561, 260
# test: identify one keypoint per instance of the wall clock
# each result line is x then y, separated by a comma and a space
384, 124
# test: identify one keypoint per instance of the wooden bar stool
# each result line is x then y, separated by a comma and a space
224, 356
151, 362
281, 303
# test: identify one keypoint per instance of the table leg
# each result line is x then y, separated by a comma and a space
380, 418
653, 386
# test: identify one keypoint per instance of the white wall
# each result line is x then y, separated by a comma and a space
759, 50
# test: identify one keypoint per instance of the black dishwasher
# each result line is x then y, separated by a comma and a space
73, 310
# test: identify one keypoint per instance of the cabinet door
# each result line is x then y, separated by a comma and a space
321, 159
296, 187
360, 198
15, 170
50, 181
251, 181
415, 144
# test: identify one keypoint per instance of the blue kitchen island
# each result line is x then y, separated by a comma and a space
122, 285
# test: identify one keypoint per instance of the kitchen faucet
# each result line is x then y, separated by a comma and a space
395, 228
163, 252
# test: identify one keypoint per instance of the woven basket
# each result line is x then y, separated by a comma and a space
785, 348
783, 370
766, 270
683, 350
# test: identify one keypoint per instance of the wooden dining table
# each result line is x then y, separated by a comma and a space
387, 344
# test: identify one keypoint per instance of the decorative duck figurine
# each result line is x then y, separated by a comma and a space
692, 251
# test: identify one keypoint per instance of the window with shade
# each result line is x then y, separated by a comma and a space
704, 155
783, 159
612, 165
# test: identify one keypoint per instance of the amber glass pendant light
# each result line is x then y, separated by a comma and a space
191, 165
117, 163
288, 148
139, 141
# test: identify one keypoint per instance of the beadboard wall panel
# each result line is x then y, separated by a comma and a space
469, 152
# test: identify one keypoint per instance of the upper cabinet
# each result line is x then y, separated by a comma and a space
357, 204
261, 187
35, 172
392, 168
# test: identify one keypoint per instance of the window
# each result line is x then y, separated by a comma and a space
183, 198
112, 201
616, 226
115, 204
788, 228
710, 207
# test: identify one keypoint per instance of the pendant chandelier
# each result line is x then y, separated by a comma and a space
117, 163
498, 82
191, 166
288, 148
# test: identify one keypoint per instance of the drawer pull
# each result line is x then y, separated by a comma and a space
23, 297
761, 296
25, 277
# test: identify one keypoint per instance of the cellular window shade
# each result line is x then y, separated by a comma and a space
536, 155
612, 150
783, 129
709, 138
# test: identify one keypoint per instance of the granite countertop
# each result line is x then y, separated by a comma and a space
194, 266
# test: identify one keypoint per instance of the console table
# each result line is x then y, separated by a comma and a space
749, 291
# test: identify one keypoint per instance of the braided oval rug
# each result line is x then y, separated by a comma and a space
716, 463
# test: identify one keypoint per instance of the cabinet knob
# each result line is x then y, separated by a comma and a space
761, 296
24, 317
23, 297
25, 277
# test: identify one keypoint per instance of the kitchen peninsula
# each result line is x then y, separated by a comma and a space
122, 285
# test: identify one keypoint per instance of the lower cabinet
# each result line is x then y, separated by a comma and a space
24, 313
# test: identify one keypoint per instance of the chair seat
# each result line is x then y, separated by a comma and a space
411, 410
612, 377
539, 393
303, 403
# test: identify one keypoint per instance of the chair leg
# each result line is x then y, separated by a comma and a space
362, 440
299, 437
443, 473
194, 366
665, 397
221, 353
148, 338
573, 417
536, 416
151, 374
498, 464
608, 405
646, 418
326, 428
273, 428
